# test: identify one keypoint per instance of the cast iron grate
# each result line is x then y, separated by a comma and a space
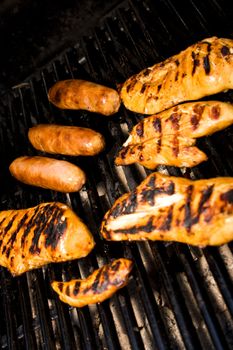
178, 297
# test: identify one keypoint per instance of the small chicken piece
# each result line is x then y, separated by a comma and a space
33, 237
167, 208
203, 69
99, 286
169, 137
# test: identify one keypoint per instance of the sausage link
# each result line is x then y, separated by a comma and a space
53, 174
66, 140
81, 94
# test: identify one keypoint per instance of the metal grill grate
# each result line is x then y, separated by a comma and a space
178, 297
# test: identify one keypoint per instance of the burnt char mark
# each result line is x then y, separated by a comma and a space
116, 211
94, 286
115, 266
55, 229
123, 152
157, 125
227, 197
196, 62
130, 204
158, 128
140, 129
67, 292
148, 228
206, 194
166, 225
175, 118
159, 87
29, 226
225, 51
187, 209
196, 117
76, 288
206, 64
176, 76
215, 112
131, 85
175, 146
177, 62
143, 88
149, 193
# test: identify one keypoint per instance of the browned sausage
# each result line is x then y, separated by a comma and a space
53, 174
67, 140
81, 94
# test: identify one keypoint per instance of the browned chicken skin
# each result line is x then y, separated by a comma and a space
169, 208
169, 137
67, 140
203, 69
81, 94
33, 237
99, 286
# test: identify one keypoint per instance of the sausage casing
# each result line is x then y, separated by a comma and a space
66, 140
53, 174
99, 286
81, 94
48, 232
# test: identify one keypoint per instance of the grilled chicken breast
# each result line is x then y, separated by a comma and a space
100, 285
168, 208
169, 137
203, 69
33, 237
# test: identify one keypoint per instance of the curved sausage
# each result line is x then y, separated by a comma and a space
53, 174
81, 94
99, 286
66, 140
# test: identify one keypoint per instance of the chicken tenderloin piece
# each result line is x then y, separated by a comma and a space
81, 94
66, 140
33, 237
99, 286
203, 69
49, 173
169, 137
166, 208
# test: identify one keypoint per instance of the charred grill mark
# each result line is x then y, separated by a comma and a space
215, 112
130, 204
206, 194
149, 193
6, 231
131, 85
175, 118
175, 146
11, 240
123, 152
143, 88
140, 129
94, 285
67, 292
196, 117
30, 224
196, 62
227, 197
157, 124
225, 51
177, 62
116, 211
148, 227
115, 266
76, 288
206, 64
166, 225
187, 209
159, 87
176, 76
55, 229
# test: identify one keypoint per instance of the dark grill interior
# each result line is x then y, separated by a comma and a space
179, 297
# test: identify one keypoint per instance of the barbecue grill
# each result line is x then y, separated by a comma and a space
178, 297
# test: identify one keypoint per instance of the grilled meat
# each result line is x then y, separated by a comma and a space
203, 69
49, 173
81, 94
169, 137
168, 208
67, 140
100, 285
49, 232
